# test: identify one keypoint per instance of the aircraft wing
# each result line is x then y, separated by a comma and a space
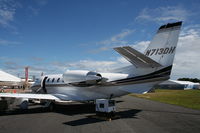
30, 96
136, 58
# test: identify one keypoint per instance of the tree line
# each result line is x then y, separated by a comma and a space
195, 80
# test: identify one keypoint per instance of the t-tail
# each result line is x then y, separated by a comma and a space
159, 55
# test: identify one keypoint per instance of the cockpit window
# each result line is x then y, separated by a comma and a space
58, 79
53, 80
48, 79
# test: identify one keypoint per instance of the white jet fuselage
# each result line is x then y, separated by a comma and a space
78, 87
66, 90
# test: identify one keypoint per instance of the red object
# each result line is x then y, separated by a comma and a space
26, 74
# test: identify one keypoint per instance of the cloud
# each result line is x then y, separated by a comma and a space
93, 65
8, 43
113, 41
84, 65
35, 11
117, 39
7, 12
141, 46
41, 2
10, 65
14, 66
164, 14
37, 59
187, 57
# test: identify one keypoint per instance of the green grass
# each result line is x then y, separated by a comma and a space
185, 98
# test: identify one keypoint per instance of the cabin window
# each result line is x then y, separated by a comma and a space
53, 80
58, 79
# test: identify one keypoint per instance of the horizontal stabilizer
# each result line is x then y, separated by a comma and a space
136, 58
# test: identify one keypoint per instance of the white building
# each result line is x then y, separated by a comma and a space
178, 85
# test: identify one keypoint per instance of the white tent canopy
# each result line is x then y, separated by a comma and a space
185, 84
177, 82
6, 77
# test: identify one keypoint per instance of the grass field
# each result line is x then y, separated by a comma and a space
185, 98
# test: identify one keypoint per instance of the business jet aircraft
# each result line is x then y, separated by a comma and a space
145, 71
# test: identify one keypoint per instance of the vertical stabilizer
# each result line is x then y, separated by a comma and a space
162, 47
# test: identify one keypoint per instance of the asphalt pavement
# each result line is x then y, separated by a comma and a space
136, 116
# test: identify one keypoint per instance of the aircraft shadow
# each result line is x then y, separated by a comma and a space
89, 120
70, 109
74, 109
17, 111
78, 108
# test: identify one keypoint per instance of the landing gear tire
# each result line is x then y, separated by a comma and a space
24, 105
51, 107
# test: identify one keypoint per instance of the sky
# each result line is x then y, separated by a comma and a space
52, 36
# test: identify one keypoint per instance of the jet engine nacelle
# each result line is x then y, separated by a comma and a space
77, 76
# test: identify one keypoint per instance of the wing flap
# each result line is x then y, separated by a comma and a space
136, 58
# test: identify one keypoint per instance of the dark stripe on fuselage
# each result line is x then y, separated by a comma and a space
162, 74
165, 72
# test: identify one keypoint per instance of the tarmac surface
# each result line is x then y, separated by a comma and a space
136, 116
